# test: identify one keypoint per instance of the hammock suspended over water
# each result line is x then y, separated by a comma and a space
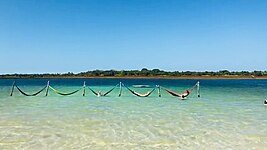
100, 93
140, 94
185, 93
62, 93
48, 86
24, 93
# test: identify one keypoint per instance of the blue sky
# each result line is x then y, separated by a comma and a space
57, 36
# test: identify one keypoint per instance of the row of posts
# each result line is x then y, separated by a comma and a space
84, 86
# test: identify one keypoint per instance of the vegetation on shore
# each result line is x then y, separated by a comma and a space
154, 73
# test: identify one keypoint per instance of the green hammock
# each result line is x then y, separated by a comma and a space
64, 94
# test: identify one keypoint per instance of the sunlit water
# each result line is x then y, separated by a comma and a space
229, 115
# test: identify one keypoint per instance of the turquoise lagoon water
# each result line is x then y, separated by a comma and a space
229, 115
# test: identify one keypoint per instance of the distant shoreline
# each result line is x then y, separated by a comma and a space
140, 77
145, 74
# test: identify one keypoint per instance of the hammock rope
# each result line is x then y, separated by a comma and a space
93, 91
139, 94
64, 94
110, 90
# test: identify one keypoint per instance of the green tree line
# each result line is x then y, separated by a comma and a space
142, 73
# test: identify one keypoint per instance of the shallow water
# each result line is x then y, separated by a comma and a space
229, 115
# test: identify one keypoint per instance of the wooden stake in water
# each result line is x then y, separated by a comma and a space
12, 89
198, 89
159, 90
120, 89
84, 85
47, 88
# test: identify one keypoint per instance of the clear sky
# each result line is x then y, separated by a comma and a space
56, 36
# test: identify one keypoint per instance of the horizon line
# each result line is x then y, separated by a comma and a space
41, 73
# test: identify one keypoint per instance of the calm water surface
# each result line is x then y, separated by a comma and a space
229, 115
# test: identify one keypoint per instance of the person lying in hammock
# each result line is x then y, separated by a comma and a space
99, 93
142, 95
185, 94
182, 96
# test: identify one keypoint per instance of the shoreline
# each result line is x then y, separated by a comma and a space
147, 77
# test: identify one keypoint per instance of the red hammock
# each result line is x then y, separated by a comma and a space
183, 95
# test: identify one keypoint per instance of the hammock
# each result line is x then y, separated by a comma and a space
22, 92
105, 94
139, 94
183, 95
64, 94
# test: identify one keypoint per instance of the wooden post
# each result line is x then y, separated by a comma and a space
47, 88
120, 89
159, 90
84, 85
12, 89
198, 89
